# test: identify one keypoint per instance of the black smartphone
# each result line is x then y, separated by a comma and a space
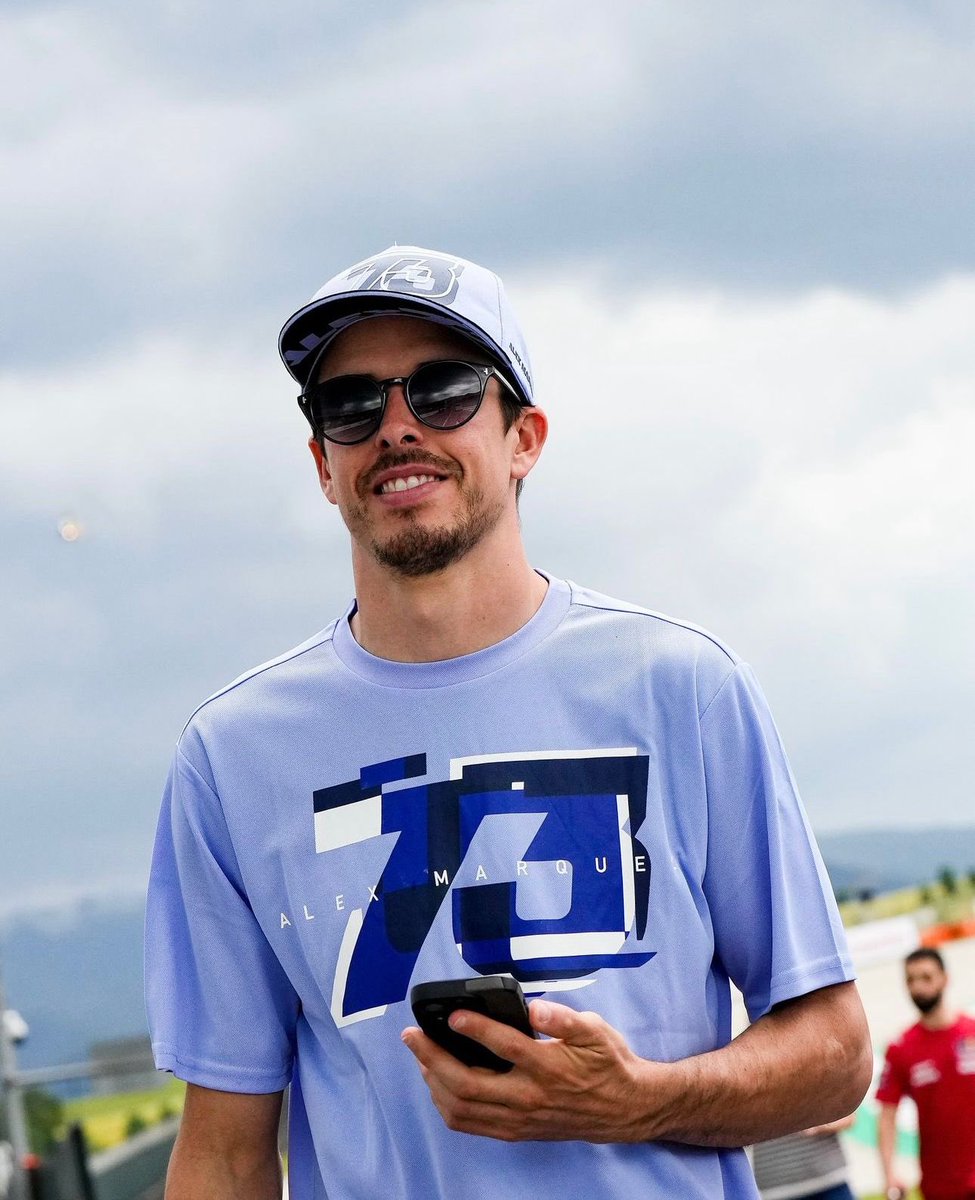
496, 996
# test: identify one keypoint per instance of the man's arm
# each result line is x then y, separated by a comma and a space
887, 1142
806, 1062
227, 1148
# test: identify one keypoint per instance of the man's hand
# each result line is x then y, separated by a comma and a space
806, 1062
578, 1083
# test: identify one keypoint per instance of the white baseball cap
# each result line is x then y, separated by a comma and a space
409, 280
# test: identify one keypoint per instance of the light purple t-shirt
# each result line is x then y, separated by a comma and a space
599, 806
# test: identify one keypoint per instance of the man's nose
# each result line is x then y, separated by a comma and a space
399, 427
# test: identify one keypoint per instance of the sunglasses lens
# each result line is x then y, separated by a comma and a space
346, 409
445, 394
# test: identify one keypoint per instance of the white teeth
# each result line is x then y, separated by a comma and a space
403, 485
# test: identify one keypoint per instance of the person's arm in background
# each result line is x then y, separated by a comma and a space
227, 1148
887, 1142
831, 1127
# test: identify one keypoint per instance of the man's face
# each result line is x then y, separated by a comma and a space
926, 983
458, 482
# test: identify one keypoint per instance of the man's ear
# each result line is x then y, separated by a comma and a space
532, 429
321, 465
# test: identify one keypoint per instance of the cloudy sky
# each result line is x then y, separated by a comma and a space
740, 240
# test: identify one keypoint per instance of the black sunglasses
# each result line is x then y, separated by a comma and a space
444, 395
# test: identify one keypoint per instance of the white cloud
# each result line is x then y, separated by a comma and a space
117, 153
149, 181
113, 435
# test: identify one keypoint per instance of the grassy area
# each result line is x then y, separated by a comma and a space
912, 1195
944, 905
108, 1120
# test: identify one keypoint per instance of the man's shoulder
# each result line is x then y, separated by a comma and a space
681, 631
664, 640
919, 1037
253, 689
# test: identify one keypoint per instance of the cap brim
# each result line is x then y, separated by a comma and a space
306, 334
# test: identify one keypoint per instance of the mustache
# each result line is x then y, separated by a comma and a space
403, 458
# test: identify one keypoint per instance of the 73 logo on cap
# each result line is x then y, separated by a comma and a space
430, 275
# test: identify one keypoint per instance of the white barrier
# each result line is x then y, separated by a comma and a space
876, 942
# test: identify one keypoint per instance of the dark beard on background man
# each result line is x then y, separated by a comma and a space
420, 551
926, 1004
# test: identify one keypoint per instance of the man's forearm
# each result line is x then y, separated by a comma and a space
227, 1147
197, 1173
805, 1063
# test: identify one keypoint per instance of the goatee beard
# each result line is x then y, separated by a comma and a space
926, 1004
420, 551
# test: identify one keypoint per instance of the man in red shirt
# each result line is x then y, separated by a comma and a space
934, 1064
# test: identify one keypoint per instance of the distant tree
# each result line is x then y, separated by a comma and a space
135, 1124
927, 896
45, 1119
865, 895
970, 875
948, 880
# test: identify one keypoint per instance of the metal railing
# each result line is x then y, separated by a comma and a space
29, 1179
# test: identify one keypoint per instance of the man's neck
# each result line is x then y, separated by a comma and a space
938, 1018
471, 605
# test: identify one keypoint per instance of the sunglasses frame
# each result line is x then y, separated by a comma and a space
483, 371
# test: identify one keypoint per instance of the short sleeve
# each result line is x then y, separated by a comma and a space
777, 930
893, 1084
221, 1010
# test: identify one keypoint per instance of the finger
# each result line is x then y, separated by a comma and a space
425, 1050
481, 1118
503, 1040
566, 1024
443, 1072
510, 1122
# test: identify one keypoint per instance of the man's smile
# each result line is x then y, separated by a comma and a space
404, 485
400, 476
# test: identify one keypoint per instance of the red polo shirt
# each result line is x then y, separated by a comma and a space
936, 1068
